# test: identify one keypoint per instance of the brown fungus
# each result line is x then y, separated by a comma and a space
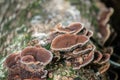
86, 59
75, 28
70, 44
66, 42
104, 27
44, 56
39, 54
89, 34
98, 56
84, 49
105, 32
28, 64
33, 61
103, 68
28, 58
105, 15
31, 75
29, 51
32, 66
105, 58
11, 61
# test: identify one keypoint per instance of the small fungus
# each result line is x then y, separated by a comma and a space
105, 58
98, 56
104, 68
105, 32
75, 28
104, 27
83, 49
87, 58
10, 62
105, 15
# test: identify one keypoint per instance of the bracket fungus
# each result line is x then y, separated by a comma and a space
68, 41
78, 50
75, 28
40, 54
98, 56
86, 59
103, 68
71, 46
10, 62
30, 64
83, 49
105, 58
102, 60
105, 15
104, 27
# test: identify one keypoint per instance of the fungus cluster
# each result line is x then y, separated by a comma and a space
75, 47
29, 64
71, 45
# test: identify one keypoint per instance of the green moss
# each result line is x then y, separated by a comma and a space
47, 46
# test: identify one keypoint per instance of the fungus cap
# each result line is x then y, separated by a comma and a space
104, 68
68, 41
11, 60
86, 60
84, 49
105, 32
74, 27
104, 27
39, 54
105, 15
97, 56
105, 58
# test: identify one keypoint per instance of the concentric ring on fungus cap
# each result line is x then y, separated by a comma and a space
66, 42
74, 27
27, 59
84, 49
